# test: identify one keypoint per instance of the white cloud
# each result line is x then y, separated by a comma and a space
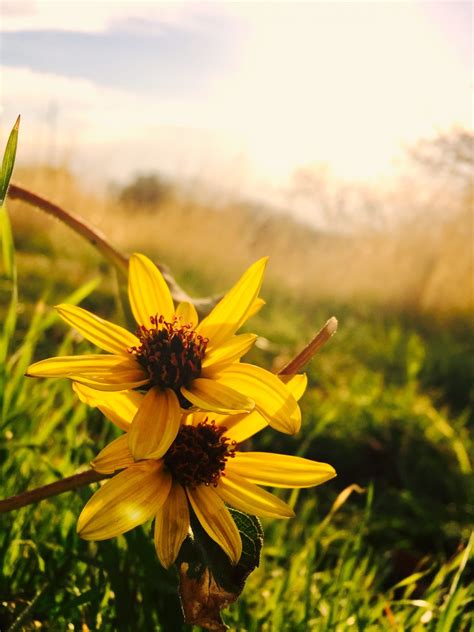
109, 133
96, 16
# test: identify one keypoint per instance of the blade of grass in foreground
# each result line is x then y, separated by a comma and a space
8, 278
8, 161
14, 369
8, 249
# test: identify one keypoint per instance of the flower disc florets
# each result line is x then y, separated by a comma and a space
170, 352
199, 453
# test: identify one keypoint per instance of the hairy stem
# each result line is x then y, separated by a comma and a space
77, 223
97, 239
53, 489
311, 349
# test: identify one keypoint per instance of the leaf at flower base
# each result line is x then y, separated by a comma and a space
208, 581
251, 532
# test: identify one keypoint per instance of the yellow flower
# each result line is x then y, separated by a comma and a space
202, 470
183, 364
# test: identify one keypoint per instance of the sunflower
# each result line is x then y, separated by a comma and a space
181, 363
202, 471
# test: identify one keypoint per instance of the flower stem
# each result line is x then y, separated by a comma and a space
311, 349
53, 489
91, 476
77, 223
97, 239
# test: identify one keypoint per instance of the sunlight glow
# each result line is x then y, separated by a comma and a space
345, 84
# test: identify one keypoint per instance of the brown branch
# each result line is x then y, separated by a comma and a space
53, 489
77, 223
97, 239
311, 349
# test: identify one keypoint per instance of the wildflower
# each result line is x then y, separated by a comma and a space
181, 363
202, 471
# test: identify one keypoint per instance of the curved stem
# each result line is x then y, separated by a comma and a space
97, 239
77, 223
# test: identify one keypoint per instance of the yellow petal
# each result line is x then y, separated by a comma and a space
255, 308
126, 501
171, 525
273, 399
115, 456
96, 364
113, 382
105, 335
193, 418
232, 311
216, 520
155, 425
102, 372
296, 384
279, 470
215, 397
187, 313
226, 353
118, 406
198, 417
147, 290
242, 427
239, 493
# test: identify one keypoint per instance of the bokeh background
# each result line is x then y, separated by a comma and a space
335, 137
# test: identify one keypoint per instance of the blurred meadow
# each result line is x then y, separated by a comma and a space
388, 544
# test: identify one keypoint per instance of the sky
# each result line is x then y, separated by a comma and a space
238, 95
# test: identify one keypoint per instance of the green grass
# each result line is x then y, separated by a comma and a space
387, 405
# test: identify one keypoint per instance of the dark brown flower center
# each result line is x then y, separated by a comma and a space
199, 453
171, 353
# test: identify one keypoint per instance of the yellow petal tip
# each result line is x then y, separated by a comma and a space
165, 565
263, 261
289, 430
98, 469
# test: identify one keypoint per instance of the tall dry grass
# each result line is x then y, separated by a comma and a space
424, 262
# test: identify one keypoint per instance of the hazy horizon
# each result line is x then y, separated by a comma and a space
236, 95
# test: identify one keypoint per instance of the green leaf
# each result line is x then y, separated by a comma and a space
229, 577
8, 161
7, 260
251, 532
8, 277
208, 580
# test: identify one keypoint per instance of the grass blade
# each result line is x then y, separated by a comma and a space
8, 161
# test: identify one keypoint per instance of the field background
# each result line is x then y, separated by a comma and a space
385, 546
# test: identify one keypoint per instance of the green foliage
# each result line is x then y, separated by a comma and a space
379, 407
201, 552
